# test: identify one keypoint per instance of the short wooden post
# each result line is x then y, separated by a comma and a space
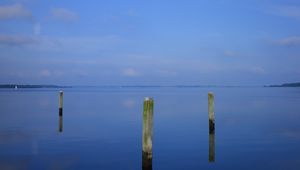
61, 93
147, 133
211, 114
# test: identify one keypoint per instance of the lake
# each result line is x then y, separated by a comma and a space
101, 128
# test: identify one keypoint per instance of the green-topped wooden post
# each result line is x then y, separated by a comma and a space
147, 133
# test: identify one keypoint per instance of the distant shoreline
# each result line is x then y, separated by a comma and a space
286, 85
16, 86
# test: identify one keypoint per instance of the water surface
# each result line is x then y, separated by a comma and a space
101, 128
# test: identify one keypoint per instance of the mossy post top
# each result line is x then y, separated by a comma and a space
148, 99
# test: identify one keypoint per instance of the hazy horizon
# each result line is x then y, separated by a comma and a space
142, 85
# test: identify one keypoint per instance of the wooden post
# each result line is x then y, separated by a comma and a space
61, 93
211, 114
147, 133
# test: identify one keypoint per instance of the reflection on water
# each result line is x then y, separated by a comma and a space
211, 156
146, 162
14, 136
60, 127
35, 148
105, 133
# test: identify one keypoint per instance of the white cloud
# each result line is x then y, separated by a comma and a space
285, 11
15, 11
229, 53
167, 73
258, 70
37, 29
289, 41
62, 44
16, 40
130, 72
78, 44
64, 14
44, 73
131, 13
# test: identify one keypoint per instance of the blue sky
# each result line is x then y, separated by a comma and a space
138, 42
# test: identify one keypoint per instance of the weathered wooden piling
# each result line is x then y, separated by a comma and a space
211, 114
211, 150
147, 133
61, 93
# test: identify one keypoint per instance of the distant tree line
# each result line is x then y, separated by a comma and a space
287, 85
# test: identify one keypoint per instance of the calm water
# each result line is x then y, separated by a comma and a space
256, 128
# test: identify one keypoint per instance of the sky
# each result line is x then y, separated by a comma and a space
149, 42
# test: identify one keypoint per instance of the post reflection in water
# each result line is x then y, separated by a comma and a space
60, 128
211, 156
146, 161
